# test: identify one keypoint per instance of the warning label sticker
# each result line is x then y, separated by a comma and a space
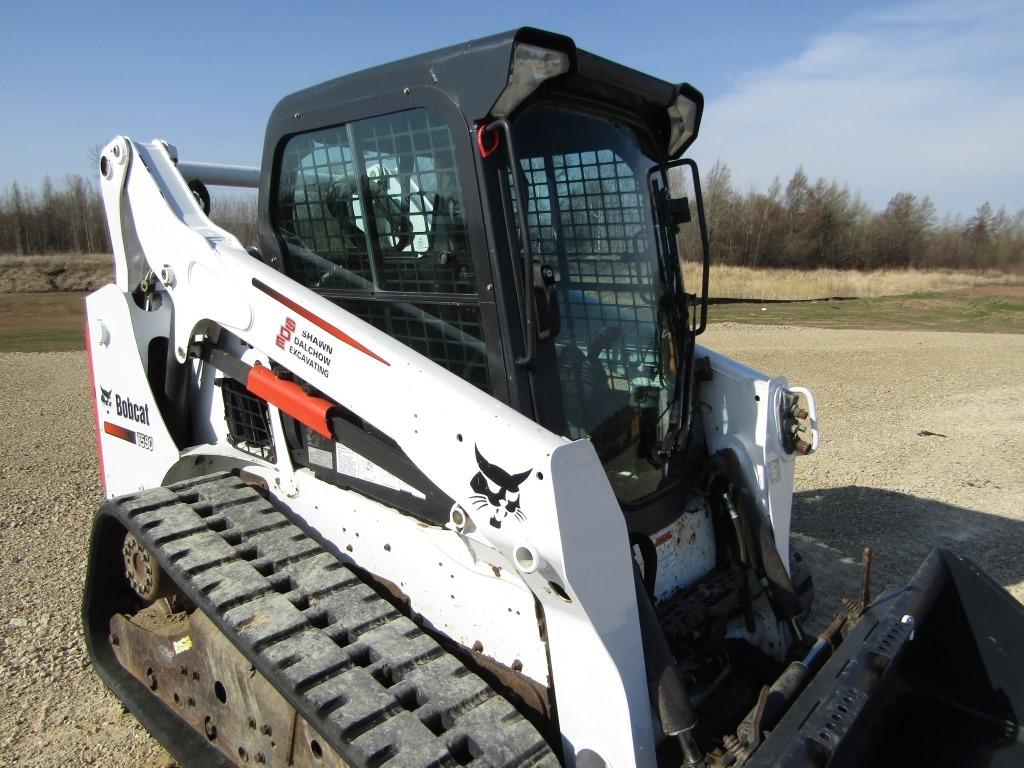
320, 457
668, 553
350, 463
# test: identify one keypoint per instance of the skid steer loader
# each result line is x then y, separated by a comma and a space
438, 475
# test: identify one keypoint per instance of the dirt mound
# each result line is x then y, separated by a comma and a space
62, 272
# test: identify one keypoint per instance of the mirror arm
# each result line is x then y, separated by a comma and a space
704, 244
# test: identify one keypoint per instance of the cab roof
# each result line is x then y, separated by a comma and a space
473, 75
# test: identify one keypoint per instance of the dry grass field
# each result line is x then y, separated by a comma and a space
34, 322
86, 272
802, 285
949, 301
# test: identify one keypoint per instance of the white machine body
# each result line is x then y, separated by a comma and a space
550, 592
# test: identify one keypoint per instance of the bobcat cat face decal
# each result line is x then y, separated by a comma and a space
105, 397
497, 491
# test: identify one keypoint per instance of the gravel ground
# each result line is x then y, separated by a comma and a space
924, 439
923, 446
53, 709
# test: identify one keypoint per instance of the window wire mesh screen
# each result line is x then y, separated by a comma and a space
449, 335
586, 217
319, 212
376, 204
417, 203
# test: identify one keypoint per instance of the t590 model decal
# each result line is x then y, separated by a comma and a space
129, 435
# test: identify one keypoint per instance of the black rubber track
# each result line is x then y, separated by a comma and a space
377, 688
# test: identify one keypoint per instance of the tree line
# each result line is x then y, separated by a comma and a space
805, 225
65, 219
69, 218
801, 224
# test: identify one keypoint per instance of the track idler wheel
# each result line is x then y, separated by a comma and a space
142, 571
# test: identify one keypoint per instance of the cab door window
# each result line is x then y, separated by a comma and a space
371, 214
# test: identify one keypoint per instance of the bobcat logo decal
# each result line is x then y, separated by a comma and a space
497, 491
105, 397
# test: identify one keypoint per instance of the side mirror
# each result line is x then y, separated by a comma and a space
673, 185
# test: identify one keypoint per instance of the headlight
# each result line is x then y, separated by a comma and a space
531, 66
683, 121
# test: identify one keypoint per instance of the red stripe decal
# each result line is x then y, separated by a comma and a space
320, 323
667, 536
118, 431
95, 406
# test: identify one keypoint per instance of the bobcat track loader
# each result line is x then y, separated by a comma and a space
438, 475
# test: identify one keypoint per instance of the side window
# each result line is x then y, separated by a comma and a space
375, 207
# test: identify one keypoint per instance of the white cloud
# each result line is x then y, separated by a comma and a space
926, 98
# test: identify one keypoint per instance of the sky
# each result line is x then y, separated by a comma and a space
924, 97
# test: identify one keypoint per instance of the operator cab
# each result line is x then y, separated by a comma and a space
403, 194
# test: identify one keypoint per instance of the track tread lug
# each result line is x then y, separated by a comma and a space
315, 579
416, 745
356, 610
315, 653
265, 620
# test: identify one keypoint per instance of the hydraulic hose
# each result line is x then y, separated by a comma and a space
670, 701
755, 539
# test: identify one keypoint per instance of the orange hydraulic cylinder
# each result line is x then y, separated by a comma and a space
314, 412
